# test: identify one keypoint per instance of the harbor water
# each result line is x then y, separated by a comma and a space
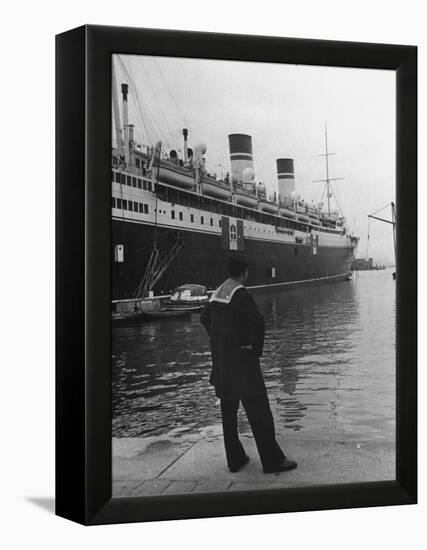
328, 363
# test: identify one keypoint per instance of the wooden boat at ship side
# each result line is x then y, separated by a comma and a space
185, 299
126, 310
156, 309
215, 188
175, 175
268, 206
245, 198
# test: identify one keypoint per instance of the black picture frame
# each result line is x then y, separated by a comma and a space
83, 279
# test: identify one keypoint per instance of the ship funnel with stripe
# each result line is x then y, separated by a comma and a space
240, 156
285, 177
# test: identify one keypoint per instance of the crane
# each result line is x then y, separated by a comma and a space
392, 222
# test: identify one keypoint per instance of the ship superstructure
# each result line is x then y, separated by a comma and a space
173, 221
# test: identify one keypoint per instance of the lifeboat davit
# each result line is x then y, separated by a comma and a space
215, 188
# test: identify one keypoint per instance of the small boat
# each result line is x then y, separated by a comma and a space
126, 310
194, 296
184, 300
268, 206
215, 188
287, 213
175, 175
157, 308
245, 198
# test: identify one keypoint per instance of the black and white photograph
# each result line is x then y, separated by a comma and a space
253, 275
213, 275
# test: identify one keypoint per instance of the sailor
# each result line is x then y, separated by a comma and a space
236, 329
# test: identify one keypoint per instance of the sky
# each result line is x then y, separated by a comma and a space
284, 108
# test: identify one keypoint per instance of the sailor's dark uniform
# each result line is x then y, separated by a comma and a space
236, 330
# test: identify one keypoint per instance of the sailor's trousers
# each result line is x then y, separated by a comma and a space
258, 412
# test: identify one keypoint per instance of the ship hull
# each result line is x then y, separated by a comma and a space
201, 260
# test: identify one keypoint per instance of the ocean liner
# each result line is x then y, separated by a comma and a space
173, 222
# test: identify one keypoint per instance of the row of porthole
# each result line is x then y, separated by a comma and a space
131, 181
131, 206
181, 217
264, 231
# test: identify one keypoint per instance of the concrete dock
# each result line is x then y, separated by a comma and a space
175, 465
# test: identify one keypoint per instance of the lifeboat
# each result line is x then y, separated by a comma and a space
303, 218
185, 299
267, 206
245, 199
175, 175
215, 188
287, 213
327, 222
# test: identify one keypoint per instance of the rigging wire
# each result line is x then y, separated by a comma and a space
181, 115
144, 120
393, 221
153, 131
323, 193
336, 199
141, 103
165, 118
127, 77
169, 91
338, 202
379, 210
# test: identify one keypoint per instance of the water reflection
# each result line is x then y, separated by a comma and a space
328, 365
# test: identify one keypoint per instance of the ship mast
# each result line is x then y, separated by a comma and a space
327, 180
327, 171
116, 111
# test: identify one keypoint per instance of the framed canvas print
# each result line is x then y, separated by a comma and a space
236, 275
